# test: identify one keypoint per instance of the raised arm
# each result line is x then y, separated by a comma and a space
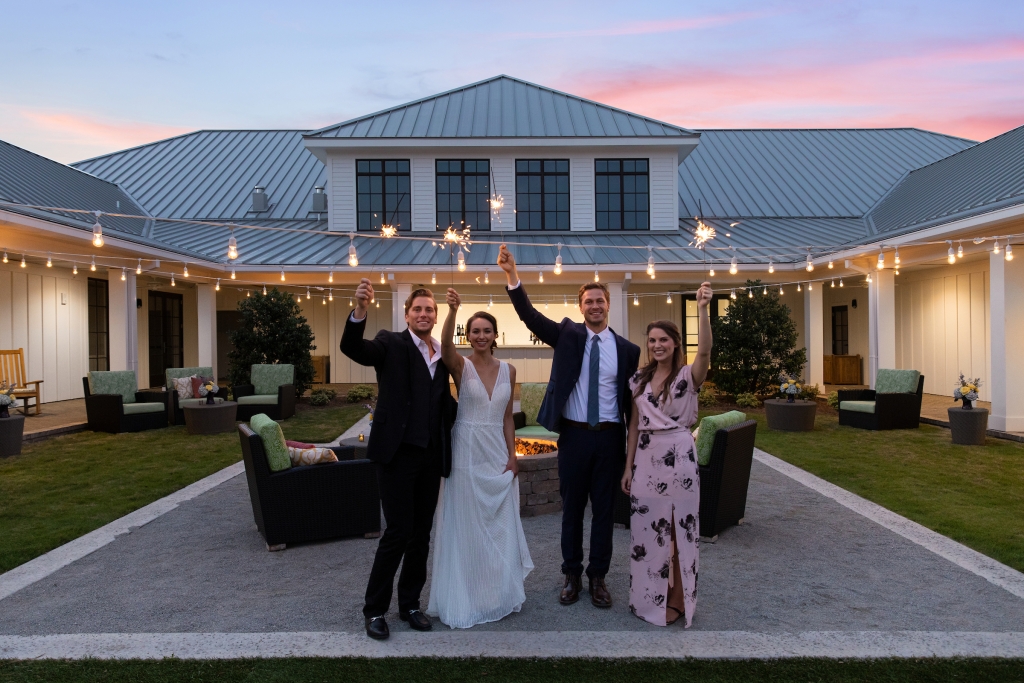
453, 360
509, 426
699, 369
547, 330
370, 352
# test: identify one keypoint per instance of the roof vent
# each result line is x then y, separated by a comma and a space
319, 200
260, 200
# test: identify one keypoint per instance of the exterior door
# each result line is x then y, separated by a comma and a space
840, 331
165, 335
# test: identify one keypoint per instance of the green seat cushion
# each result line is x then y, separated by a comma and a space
257, 400
536, 432
273, 442
139, 408
120, 382
177, 373
267, 378
709, 426
182, 402
858, 406
530, 397
896, 382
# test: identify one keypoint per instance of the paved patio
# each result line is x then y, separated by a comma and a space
813, 570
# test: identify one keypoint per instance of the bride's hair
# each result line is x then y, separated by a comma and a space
647, 372
489, 318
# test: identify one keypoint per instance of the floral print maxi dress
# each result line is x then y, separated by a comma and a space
665, 503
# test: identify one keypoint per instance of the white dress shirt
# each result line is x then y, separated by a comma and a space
420, 344
607, 392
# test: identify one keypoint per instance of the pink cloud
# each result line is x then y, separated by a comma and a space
90, 131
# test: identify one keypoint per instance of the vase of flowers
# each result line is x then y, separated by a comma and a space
6, 398
209, 389
966, 390
789, 387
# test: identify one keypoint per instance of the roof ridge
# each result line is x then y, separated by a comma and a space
67, 166
161, 141
829, 130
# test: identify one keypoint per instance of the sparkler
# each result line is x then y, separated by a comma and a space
703, 234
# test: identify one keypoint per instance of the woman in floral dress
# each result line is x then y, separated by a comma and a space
661, 477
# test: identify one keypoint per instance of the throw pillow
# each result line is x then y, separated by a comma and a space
709, 426
183, 385
299, 444
198, 388
273, 442
311, 456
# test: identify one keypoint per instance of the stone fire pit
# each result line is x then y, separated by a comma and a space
538, 477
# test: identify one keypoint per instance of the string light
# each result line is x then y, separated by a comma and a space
558, 262
798, 287
217, 287
833, 283
324, 301
298, 299
124, 276
950, 256
5, 256
490, 301
765, 292
896, 257
830, 264
462, 264
733, 269
232, 245
995, 247
97, 231
350, 301
960, 250
330, 276
650, 261
810, 286
565, 300
138, 268
185, 273
377, 304
1008, 253
545, 304
780, 290
23, 263
750, 294
74, 269
247, 294
92, 266
307, 293
636, 300
668, 299
264, 290
896, 271
711, 273
540, 276
232, 273
597, 277
353, 257
49, 261
433, 278
868, 278
172, 280
840, 282
382, 280
771, 266
282, 274
487, 276
732, 294
330, 294
810, 266
881, 260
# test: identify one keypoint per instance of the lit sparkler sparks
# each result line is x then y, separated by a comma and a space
704, 233
388, 231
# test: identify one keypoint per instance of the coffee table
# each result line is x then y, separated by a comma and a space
210, 419
784, 416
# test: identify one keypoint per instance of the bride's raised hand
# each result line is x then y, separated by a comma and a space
454, 300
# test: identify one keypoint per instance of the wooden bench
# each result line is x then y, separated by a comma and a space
12, 370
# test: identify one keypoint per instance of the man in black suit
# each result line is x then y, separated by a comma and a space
410, 441
588, 402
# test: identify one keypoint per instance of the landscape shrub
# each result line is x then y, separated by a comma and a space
360, 392
833, 400
808, 392
707, 396
321, 397
747, 401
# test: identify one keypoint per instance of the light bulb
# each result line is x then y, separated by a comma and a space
185, 273
382, 280
650, 266
833, 283
558, 266
433, 278
264, 290
840, 282
324, 302
490, 301
771, 267
307, 293
1008, 253
23, 263
247, 294
97, 230
732, 294
636, 300
462, 263
138, 268
49, 261
232, 248
565, 300
353, 257
540, 276
124, 276
950, 256
282, 275
545, 304
487, 277
217, 286
733, 269
810, 286
780, 290
350, 301
597, 277
896, 256
232, 273
868, 278
330, 294
330, 276
668, 299
881, 260
765, 292
74, 270
960, 250
711, 273
5, 256
995, 247
896, 271
298, 299
798, 287
810, 266
377, 304
750, 294
172, 280
92, 266
830, 264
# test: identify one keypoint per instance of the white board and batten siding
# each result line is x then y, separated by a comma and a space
341, 207
45, 311
664, 180
942, 326
581, 193
424, 199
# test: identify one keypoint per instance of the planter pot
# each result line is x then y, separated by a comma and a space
11, 430
967, 427
786, 416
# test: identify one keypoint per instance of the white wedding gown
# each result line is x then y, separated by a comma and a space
480, 555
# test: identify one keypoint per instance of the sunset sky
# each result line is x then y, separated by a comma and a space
82, 79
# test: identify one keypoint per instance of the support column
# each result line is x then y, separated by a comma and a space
814, 334
1006, 321
881, 323
617, 310
402, 292
206, 326
123, 333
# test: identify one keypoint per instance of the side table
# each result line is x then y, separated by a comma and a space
11, 430
358, 446
784, 416
968, 427
210, 419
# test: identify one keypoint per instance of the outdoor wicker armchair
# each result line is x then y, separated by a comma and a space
109, 412
870, 409
272, 391
724, 480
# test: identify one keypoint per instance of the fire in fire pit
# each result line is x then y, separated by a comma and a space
534, 447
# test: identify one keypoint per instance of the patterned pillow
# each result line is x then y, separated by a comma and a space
311, 456
273, 442
183, 385
198, 388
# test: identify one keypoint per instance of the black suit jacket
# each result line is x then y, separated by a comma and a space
569, 339
392, 355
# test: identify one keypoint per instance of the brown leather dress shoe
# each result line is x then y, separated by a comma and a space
571, 590
599, 595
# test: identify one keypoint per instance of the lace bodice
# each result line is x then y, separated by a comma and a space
474, 405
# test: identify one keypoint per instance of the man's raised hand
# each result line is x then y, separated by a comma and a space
507, 262
454, 300
364, 295
704, 295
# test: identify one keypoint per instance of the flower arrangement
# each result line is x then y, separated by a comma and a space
6, 398
789, 386
208, 389
966, 390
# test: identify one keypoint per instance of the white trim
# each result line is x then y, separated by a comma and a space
992, 571
681, 144
668, 643
45, 565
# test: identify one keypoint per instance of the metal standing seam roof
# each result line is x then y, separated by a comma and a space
501, 107
982, 178
28, 178
802, 173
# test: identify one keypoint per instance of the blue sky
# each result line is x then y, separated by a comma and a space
80, 79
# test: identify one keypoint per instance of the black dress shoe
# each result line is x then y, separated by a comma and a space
599, 595
417, 620
571, 590
377, 628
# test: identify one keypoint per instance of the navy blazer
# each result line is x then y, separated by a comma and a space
569, 340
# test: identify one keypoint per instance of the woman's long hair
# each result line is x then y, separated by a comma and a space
489, 318
647, 372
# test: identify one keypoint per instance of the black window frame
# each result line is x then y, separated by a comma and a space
538, 173
99, 334
395, 205
624, 175
842, 349
444, 217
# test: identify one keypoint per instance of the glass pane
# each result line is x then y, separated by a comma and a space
442, 166
691, 307
723, 307
601, 166
375, 167
362, 166
563, 166
641, 164
522, 165
563, 184
628, 165
390, 166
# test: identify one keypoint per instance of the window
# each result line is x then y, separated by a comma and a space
622, 195
542, 194
840, 331
382, 194
718, 309
463, 194
99, 339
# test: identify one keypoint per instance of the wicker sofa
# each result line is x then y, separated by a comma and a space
894, 403
271, 391
176, 415
114, 404
310, 503
531, 395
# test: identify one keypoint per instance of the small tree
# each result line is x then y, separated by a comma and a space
272, 330
755, 342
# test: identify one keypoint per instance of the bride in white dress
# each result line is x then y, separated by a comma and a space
480, 555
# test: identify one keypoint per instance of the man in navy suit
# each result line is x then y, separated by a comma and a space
588, 403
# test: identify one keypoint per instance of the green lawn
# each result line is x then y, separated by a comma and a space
973, 494
526, 671
62, 488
